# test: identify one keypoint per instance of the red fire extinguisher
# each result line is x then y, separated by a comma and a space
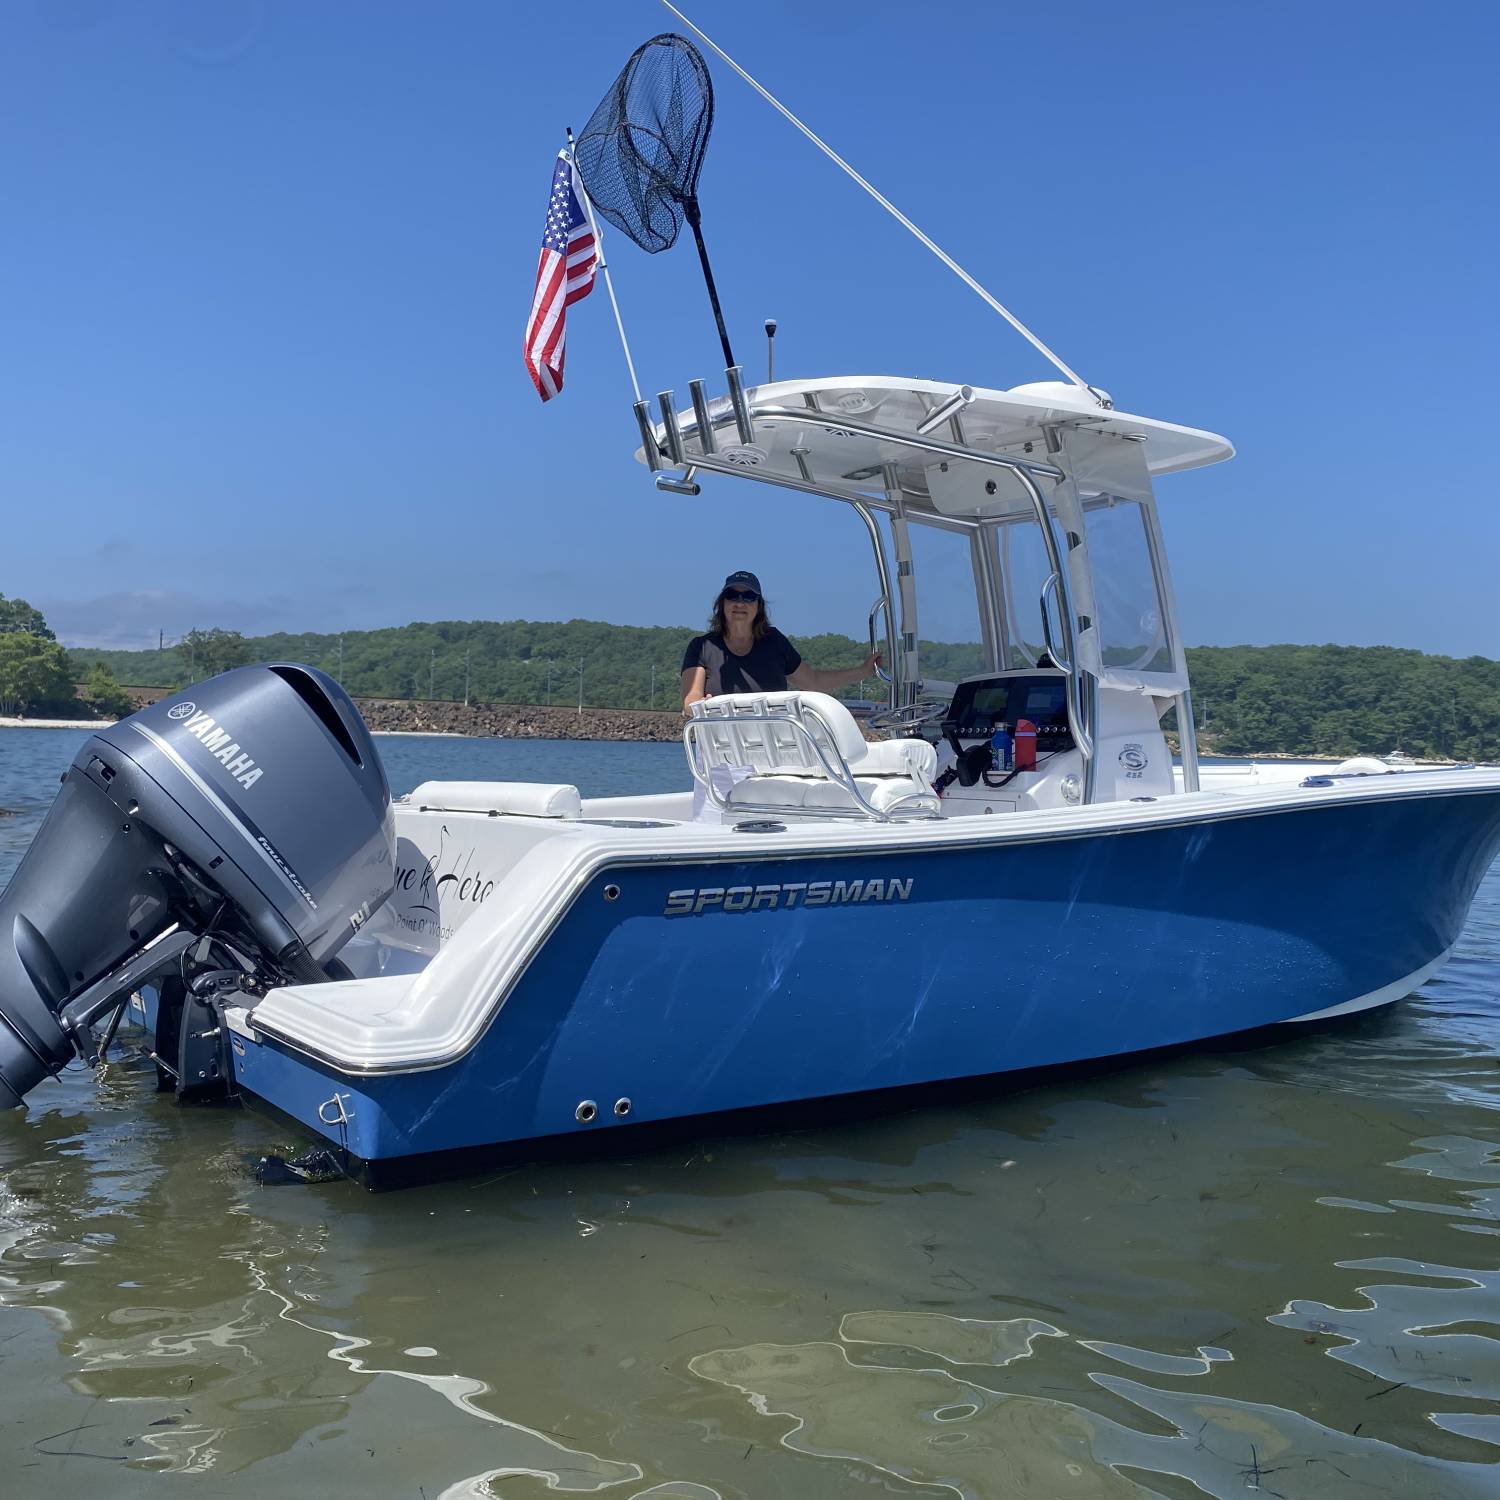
1025, 745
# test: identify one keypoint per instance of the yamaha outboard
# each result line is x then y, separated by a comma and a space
231, 837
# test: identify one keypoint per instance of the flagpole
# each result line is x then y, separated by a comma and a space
609, 281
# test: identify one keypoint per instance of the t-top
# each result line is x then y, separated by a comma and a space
764, 668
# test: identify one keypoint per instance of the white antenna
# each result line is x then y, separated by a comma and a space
889, 207
609, 281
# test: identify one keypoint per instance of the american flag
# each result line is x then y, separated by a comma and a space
564, 274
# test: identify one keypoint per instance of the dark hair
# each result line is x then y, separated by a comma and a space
717, 624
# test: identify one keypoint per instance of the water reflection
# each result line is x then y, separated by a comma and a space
970, 1436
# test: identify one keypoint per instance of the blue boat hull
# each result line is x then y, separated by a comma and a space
1001, 957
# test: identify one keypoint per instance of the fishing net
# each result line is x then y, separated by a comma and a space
642, 150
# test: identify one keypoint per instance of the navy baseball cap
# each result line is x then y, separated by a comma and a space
743, 580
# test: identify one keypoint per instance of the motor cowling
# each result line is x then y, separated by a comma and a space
245, 821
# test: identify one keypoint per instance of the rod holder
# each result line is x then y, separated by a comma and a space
734, 375
648, 437
700, 412
683, 486
675, 451
950, 408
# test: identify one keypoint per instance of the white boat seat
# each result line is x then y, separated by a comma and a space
806, 755
900, 758
895, 796
526, 799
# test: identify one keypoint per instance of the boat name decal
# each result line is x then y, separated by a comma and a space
447, 884
221, 745
700, 899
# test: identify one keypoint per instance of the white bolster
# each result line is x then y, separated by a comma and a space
900, 758
527, 799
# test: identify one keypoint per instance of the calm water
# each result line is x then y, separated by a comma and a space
1243, 1272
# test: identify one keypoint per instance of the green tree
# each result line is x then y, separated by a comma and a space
34, 672
104, 694
18, 615
213, 651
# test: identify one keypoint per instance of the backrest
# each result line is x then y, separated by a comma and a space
758, 730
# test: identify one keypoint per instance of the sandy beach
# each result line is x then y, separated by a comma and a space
8, 723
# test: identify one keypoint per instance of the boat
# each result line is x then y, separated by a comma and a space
475, 970
976, 879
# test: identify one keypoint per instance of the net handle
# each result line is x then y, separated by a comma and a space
695, 219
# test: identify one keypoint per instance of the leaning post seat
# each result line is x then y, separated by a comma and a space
805, 755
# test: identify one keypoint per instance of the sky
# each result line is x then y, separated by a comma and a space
265, 267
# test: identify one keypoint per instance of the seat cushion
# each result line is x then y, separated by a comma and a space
814, 796
916, 758
530, 799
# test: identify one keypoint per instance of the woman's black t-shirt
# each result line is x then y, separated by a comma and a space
764, 668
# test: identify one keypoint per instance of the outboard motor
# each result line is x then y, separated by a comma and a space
233, 836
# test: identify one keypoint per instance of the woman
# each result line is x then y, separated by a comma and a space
744, 653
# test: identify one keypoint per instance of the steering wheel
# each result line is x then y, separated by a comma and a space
907, 716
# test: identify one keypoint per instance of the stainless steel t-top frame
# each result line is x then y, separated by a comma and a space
747, 463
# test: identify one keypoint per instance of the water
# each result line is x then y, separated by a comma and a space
1266, 1271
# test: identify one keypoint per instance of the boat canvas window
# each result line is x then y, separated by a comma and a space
1120, 582
944, 567
1025, 569
1131, 624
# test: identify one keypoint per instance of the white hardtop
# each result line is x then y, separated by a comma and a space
797, 435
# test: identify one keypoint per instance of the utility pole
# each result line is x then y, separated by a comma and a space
161, 640
466, 679
341, 660
580, 687
192, 655
549, 682
653, 684
432, 675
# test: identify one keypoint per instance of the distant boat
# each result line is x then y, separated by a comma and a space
1398, 760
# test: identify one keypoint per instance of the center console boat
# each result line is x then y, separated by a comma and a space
1011, 874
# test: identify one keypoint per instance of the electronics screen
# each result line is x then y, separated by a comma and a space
982, 705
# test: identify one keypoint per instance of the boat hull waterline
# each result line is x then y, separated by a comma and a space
654, 999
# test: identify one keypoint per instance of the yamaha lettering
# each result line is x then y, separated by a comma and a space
701, 899
220, 745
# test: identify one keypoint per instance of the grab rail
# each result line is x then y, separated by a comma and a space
882, 603
1062, 659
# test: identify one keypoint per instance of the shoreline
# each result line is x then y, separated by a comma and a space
416, 719
9, 723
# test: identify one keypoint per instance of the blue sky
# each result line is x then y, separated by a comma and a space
265, 266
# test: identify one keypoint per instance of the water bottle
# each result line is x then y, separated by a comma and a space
1000, 748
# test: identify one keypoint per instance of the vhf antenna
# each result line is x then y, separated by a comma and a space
770, 350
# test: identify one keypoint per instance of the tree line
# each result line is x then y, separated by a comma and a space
40, 678
1248, 700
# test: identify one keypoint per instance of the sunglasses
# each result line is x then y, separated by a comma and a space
739, 596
